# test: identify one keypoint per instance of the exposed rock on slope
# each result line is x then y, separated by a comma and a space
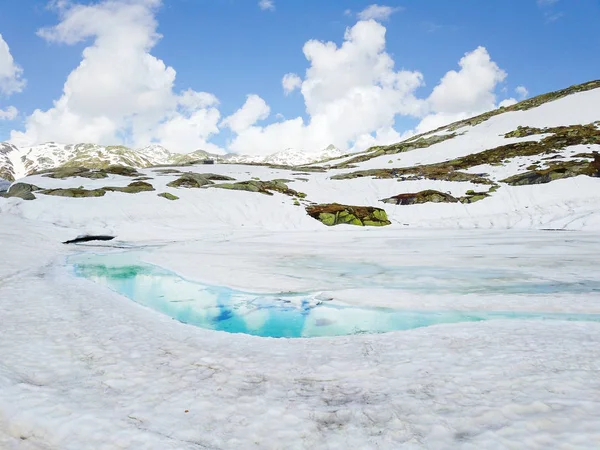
556, 171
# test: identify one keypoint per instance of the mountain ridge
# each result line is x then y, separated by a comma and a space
16, 163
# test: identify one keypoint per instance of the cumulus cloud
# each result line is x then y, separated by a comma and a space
252, 111
522, 92
352, 95
377, 12
9, 113
267, 5
119, 92
11, 80
291, 82
464, 93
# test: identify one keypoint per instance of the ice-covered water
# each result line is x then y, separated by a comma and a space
297, 314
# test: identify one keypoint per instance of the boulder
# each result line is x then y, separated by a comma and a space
336, 214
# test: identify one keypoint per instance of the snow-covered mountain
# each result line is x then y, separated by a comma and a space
288, 157
17, 162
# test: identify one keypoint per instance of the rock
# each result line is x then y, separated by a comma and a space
263, 187
197, 180
88, 238
68, 172
74, 192
336, 214
21, 190
168, 196
122, 170
166, 171
428, 196
131, 188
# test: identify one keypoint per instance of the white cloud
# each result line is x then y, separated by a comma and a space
522, 92
266, 5
252, 111
507, 102
352, 94
119, 92
471, 88
377, 12
10, 73
9, 113
465, 93
291, 82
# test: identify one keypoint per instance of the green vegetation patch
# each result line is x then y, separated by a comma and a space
335, 214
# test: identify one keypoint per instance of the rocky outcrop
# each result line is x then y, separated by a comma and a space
21, 190
336, 214
559, 138
429, 196
74, 192
131, 188
197, 180
69, 172
262, 187
557, 171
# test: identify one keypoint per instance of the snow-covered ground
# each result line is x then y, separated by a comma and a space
82, 367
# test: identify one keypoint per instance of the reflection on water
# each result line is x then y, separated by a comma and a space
269, 315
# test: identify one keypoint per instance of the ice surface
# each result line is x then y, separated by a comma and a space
295, 315
82, 367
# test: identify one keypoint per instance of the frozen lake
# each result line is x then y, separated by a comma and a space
305, 314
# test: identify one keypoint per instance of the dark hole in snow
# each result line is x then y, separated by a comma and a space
89, 238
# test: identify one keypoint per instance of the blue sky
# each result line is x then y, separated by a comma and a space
233, 48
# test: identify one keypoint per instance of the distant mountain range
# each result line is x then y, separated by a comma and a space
18, 162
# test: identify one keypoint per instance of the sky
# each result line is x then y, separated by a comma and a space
259, 76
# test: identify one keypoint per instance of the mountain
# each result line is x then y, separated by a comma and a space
288, 157
7, 169
16, 162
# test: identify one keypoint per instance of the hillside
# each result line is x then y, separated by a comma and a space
535, 164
